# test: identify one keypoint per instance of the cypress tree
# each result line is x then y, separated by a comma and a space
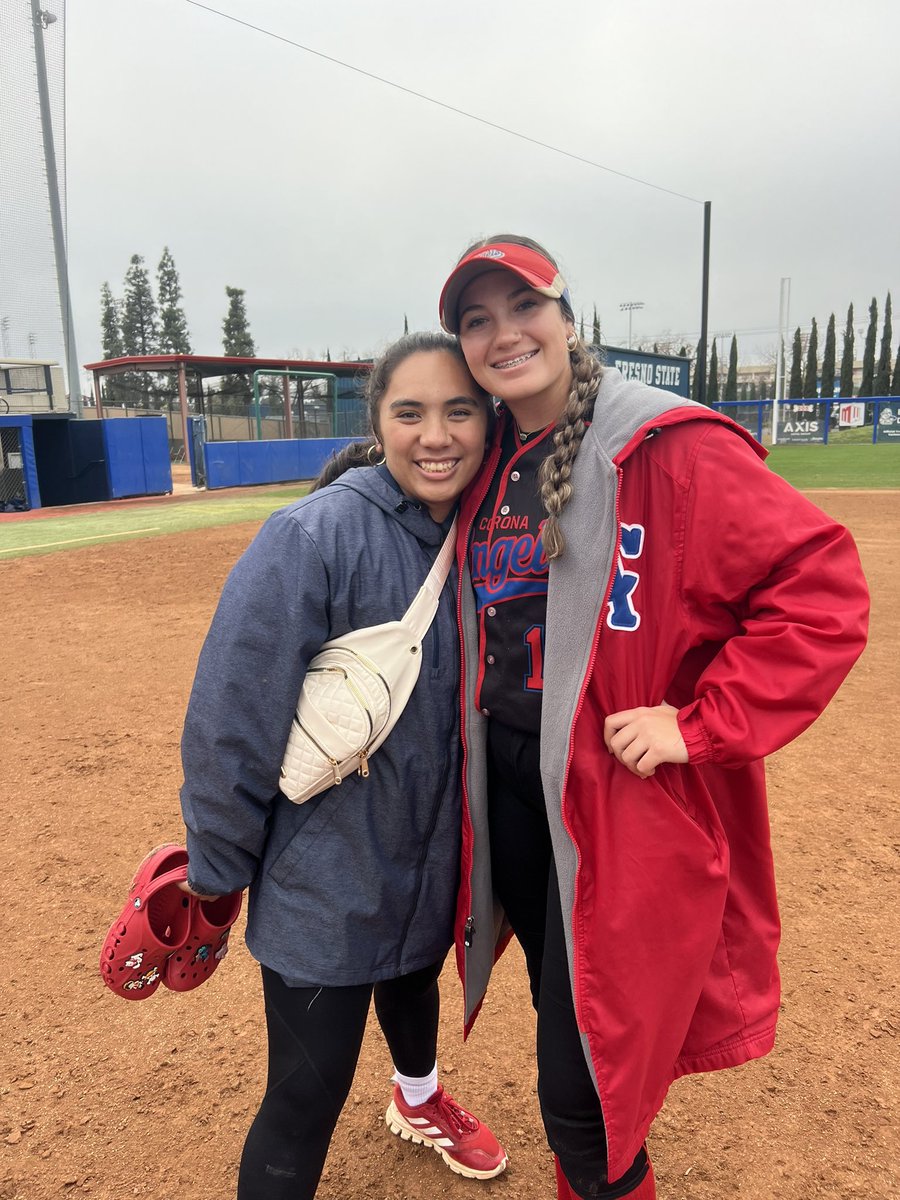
405, 325
795, 387
811, 374
139, 330
754, 395
595, 334
883, 371
697, 372
731, 378
237, 343
236, 338
173, 328
868, 370
139, 326
712, 389
111, 331
845, 387
826, 390
895, 382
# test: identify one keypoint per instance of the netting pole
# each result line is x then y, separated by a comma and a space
40, 20
183, 405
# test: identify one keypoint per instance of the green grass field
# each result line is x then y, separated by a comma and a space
838, 465
847, 465
113, 524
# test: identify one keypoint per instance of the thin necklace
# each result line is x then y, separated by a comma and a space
523, 436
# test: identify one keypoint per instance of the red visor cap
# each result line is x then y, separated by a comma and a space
538, 272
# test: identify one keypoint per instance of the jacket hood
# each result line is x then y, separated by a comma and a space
625, 409
380, 488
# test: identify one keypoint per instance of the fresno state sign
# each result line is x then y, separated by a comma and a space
667, 371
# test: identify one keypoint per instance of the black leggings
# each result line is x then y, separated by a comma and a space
315, 1036
525, 882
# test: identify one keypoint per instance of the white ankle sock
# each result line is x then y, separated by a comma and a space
417, 1089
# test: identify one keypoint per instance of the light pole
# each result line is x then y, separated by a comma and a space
784, 317
40, 21
630, 306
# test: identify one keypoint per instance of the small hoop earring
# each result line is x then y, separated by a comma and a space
381, 461
571, 342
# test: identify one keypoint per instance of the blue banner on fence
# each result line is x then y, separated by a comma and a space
887, 426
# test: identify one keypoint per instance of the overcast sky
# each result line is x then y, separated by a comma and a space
340, 203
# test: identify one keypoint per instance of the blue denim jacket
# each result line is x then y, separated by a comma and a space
359, 883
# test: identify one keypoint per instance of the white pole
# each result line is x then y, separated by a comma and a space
784, 308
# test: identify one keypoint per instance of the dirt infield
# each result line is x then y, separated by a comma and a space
112, 1099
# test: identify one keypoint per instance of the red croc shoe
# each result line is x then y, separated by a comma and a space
207, 943
154, 923
164, 858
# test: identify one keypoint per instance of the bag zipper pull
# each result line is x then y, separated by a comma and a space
469, 932
363, 768
335, 771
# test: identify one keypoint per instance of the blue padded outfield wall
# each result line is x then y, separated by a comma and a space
137, 456
241, 464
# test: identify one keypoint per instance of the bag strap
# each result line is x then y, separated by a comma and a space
421, 612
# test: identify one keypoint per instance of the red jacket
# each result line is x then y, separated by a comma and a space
694, 575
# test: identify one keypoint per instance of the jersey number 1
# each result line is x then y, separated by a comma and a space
534, 641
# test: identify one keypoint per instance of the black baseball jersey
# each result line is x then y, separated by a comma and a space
509, 574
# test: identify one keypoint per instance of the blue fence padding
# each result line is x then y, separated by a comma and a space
137, 456
68, 461
89, 480
157, 463
242, 464
53, 454
23, 421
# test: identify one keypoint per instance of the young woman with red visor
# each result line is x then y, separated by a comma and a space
646, 611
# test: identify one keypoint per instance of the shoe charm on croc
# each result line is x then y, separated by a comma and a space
154, 923
207, 944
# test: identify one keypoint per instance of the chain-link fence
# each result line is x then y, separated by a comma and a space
320, 408
12, 475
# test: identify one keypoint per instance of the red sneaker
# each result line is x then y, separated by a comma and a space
465, 1144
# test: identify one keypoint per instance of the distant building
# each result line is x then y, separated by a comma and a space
31, 385
764, 373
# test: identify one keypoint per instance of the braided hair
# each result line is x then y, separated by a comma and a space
555, 471
554, 474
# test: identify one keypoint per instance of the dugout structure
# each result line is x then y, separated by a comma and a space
50, 459
293, 398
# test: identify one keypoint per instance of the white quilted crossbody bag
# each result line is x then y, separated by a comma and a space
355, 689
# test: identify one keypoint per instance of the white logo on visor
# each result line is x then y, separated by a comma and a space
491, 254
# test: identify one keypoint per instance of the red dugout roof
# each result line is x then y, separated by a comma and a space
209, 365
